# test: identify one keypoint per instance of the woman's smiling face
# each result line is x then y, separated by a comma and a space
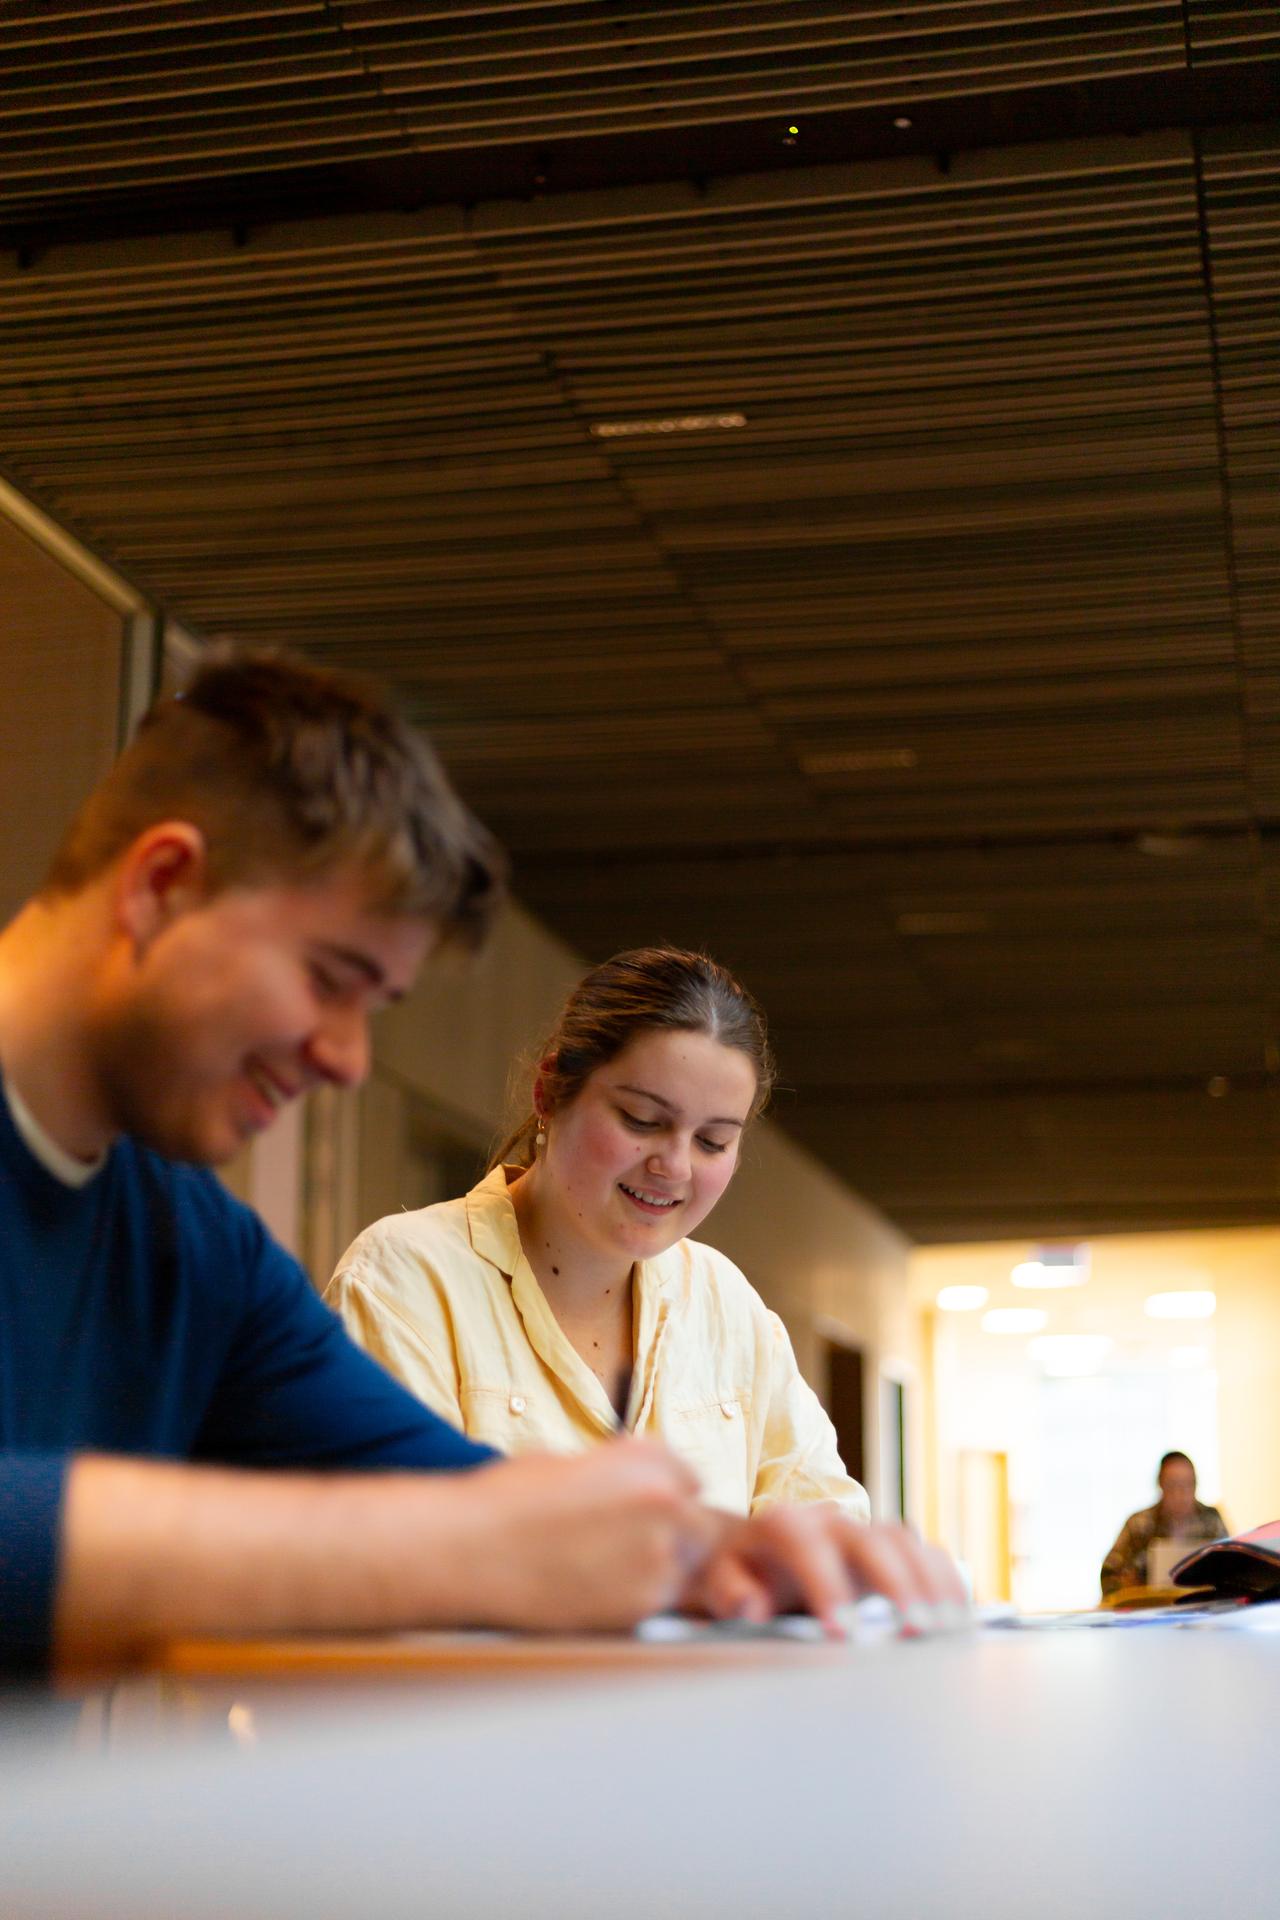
639, 1158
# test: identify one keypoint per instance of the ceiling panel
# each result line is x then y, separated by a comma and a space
862, 566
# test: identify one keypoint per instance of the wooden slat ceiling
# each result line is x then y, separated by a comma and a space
926, 669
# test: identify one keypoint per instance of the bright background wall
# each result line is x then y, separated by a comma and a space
1082, 1449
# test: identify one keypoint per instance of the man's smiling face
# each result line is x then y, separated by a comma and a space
243, 1001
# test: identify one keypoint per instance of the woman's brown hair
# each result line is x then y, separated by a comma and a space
647, 989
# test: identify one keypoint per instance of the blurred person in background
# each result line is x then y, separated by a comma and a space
1177, 1515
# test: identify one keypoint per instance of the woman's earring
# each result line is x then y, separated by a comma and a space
540, 1137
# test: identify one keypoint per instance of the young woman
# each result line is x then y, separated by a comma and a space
563, 1300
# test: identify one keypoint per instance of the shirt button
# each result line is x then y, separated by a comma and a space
728, 1409
516, 1403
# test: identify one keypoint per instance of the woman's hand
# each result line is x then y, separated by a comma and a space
814, 1559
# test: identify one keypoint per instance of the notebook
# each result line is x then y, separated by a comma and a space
1248, 1564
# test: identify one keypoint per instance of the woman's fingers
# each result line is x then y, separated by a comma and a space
818, 1560
728, 1590
921, 1580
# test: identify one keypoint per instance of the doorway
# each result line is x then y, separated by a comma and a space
846, 1404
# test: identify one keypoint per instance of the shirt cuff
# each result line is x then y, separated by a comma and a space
31, 1487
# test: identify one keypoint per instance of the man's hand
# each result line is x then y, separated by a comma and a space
814, 1559
595, 1540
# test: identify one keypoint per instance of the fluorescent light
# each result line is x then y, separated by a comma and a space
1188, 1303
1167, 846
860, 760
1034, 1273
1186, 1358
1068, 1356
1055, 1266
673, 423
1014, 1320
961, 1299
915, 924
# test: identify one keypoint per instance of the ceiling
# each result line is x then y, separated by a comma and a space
813, 468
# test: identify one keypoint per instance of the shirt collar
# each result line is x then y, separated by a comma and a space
491, 1221
495, 1236
44, 1148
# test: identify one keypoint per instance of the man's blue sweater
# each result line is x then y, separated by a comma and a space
148, 1313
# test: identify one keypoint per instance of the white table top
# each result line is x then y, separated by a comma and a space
1004, 1776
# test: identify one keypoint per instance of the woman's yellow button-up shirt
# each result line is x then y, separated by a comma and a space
446, 1300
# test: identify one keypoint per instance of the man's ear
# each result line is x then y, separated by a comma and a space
162, 874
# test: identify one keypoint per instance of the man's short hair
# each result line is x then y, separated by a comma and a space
290, 771
1167, 1460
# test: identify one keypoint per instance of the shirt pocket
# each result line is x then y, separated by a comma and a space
515, 1422
712, 1438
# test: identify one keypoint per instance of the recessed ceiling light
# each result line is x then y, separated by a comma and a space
1186, 1303
1030, 1273
672, 423
1070, 1356
1014, 1320
961, 1299
1066, 1266
861, 760
1167, 846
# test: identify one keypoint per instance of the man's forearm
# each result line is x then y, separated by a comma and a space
153, 1550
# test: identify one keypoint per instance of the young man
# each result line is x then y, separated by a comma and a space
187, 1438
